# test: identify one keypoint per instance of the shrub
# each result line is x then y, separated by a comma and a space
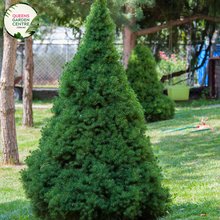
94, 161
143, 78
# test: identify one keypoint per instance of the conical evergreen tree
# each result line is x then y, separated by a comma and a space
94, 161
142, 76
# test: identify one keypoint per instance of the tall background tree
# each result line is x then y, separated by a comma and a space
7, 106
29, 60
27, 120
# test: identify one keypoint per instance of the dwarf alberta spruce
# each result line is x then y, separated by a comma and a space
94, 161
143, 79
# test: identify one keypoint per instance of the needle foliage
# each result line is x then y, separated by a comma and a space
143, 78
94, 160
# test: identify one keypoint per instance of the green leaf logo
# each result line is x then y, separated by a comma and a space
18, 35
34, 25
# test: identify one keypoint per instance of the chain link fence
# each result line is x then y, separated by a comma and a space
50, 57
48, 61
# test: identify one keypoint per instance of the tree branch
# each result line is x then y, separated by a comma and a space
176, 23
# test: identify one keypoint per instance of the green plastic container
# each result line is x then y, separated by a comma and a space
178, 93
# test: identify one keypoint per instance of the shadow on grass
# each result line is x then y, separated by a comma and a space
197, 112
209, 209
40, 124
37, 124
16, 210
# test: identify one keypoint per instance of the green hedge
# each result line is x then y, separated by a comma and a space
143, 78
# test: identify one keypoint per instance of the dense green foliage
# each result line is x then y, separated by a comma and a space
94, 160
143, 77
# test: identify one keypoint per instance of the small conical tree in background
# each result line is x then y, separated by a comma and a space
143, 78
94, 161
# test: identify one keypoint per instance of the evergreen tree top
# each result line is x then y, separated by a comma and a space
98, 23
95, 78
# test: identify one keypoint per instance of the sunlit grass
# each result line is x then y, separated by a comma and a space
13, 204
190, 163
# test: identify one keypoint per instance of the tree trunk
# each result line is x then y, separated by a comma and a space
7, 106
129, 41
28, 84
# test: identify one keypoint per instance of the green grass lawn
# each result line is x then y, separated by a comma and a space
190, 163
13, 204
197, 103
